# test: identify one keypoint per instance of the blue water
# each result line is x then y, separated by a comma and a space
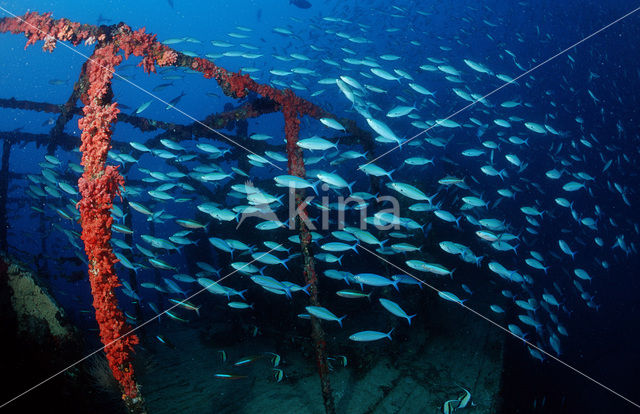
583, 98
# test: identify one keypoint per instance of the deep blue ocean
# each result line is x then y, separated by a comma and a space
472, 194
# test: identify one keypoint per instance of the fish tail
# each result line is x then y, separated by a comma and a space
287, 291
391, 172
284, 263
389, 333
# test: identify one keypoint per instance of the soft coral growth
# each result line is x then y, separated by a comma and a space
37, 26
99, 185
145, 45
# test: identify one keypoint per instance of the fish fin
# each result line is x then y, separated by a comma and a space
388, 174
389, 333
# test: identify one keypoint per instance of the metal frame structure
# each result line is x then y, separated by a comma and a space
101, 183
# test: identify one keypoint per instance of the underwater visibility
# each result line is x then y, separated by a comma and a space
309, 207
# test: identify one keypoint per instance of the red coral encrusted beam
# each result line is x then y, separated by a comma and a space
99, 185
37, 26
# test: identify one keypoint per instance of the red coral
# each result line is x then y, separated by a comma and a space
100, 72
238, 85
37, 26
99, 184
168, 58
139, 43
64, 30
49, 44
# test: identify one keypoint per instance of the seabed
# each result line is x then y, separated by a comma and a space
416, 372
